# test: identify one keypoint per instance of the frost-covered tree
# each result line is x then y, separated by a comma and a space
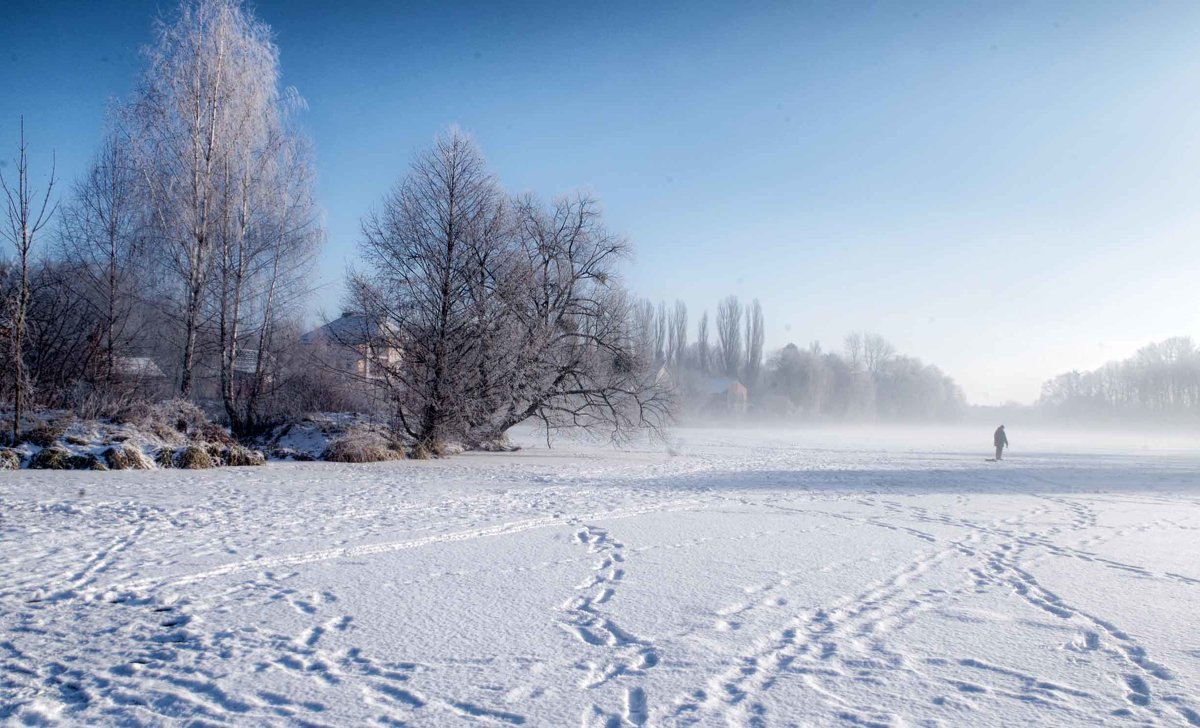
422, 248
201, 120
579, 360
868, 351
486, 312
1160, 380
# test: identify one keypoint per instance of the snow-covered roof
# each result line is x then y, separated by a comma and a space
351, 329
721, 385
142, 367
246, 361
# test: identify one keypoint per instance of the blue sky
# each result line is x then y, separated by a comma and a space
1007, 190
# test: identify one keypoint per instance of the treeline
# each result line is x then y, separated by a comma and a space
869, 380
176, 267
175, 264
724, 372
1160, 381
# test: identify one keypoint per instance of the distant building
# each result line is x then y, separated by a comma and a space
137, 369
664, 378
727, 396
353, 343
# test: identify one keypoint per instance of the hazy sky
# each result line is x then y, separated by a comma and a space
1007, 190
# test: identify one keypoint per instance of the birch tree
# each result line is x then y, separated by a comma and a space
197, 118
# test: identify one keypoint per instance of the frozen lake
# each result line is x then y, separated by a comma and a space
752, 578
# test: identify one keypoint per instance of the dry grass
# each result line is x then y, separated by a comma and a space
165, 457
57, 458
362, 447
10, 459
50, 458
193, 457
237, 455
43, 435
126, 457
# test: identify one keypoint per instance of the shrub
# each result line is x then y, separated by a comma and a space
215, 452
86, 461
164, 419
72, 440
126, 457
361, 447
165, 457
50, 458
10, 459
238, 455
193, 457
420, 452
283, 453
43, 435
211, 432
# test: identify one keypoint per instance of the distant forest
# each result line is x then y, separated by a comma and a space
1160, 381
724, 372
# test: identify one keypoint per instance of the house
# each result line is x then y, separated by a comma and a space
355, 344
663, 378
137, 369
246, 366
727, 396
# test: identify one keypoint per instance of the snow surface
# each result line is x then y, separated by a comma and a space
756, 578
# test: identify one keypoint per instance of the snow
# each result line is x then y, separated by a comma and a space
756, 578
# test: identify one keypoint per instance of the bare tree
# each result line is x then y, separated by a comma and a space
754, 342
581, 362
877, 351
26, 213
702, 351
729, 336
64, 333
100, 234
422, 247
868, 352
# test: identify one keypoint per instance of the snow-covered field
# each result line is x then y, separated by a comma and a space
766, 577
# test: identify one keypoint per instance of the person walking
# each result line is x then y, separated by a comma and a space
1000, 440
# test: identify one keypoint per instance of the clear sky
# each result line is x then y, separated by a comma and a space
1008, 190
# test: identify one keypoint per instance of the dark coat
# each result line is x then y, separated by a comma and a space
1000, 439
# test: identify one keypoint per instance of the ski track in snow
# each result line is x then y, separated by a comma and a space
961, 591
